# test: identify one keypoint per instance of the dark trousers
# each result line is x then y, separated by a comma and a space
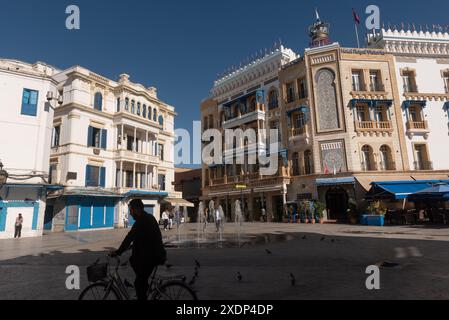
143, 273
18, 232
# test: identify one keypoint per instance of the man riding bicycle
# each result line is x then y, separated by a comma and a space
148, 250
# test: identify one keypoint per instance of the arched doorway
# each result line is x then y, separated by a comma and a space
337, 203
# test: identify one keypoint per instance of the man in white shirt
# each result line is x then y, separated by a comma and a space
165, 218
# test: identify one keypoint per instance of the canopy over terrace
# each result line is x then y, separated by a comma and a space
399, 190
178, 202
439, 191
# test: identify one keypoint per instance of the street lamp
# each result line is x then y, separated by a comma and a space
3, 175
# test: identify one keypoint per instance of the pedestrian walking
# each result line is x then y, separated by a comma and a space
165, 218
18, 226
264, 215
170, 219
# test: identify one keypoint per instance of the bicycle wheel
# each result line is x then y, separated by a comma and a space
174, 290
100, 291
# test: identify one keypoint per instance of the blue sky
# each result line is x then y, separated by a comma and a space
180, 46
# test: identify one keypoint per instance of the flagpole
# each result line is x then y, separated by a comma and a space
357, 35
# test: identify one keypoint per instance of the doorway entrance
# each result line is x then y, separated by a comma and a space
337, 203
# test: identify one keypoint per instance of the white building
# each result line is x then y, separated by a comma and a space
26, 123
112, 141
422, 75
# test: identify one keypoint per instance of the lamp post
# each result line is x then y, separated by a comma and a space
3, 175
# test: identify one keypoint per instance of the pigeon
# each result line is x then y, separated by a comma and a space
304, 238
268, 251
197, 264
192, 282
239, 277
323, 238
293, 279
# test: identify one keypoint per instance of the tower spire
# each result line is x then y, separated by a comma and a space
319, 32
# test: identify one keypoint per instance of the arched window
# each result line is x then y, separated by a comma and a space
127, 104
367, 158
273, 100
154, 115
308, 162
252, 104
118, 104
386, 161
98, 101
133, 107
149, 113
161, 120
296, 171
144, 111
138, 108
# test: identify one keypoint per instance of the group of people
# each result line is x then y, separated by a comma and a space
216, 216
169, 217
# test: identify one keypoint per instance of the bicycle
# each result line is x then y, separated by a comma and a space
109, 285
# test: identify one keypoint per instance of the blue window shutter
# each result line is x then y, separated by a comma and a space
102, 177
98, 101
88, 174
30, 100
104, 139
90, 133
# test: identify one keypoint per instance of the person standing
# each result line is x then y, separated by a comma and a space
264, 215
165, 218
18, 227
170, 219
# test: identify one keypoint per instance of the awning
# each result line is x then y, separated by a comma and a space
334, 181
409, 103
25, 185
178, 202
140, 193
398, 190
371, 102
303, 109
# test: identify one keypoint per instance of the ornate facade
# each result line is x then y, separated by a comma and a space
347, 119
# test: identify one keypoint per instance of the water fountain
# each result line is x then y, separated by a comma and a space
238, 220
222, 222
201, 222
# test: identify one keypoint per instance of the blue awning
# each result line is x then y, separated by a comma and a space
303, 109
137, 193
371, 102
422, 103
446, 106
26, 185
398, 190
334, 181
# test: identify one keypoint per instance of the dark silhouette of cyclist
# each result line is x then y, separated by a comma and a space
148, 251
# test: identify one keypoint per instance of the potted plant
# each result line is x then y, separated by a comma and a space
353, 213
319, 211
377, 211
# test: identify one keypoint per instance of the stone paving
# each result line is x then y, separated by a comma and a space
328, 262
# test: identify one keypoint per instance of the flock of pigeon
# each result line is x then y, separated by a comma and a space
239, 276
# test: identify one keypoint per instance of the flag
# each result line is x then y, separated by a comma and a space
356, 17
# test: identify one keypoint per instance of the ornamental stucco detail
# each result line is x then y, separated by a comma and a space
326, 106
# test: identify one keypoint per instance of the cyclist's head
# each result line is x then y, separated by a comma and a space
136, 207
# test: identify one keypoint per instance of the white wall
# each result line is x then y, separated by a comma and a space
429, 80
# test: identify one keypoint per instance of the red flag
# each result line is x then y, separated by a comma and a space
356, 17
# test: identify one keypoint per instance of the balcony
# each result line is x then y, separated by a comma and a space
127, 155
242, 119
417, 127
423, 165
373, 126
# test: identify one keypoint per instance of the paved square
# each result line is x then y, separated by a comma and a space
328, 262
